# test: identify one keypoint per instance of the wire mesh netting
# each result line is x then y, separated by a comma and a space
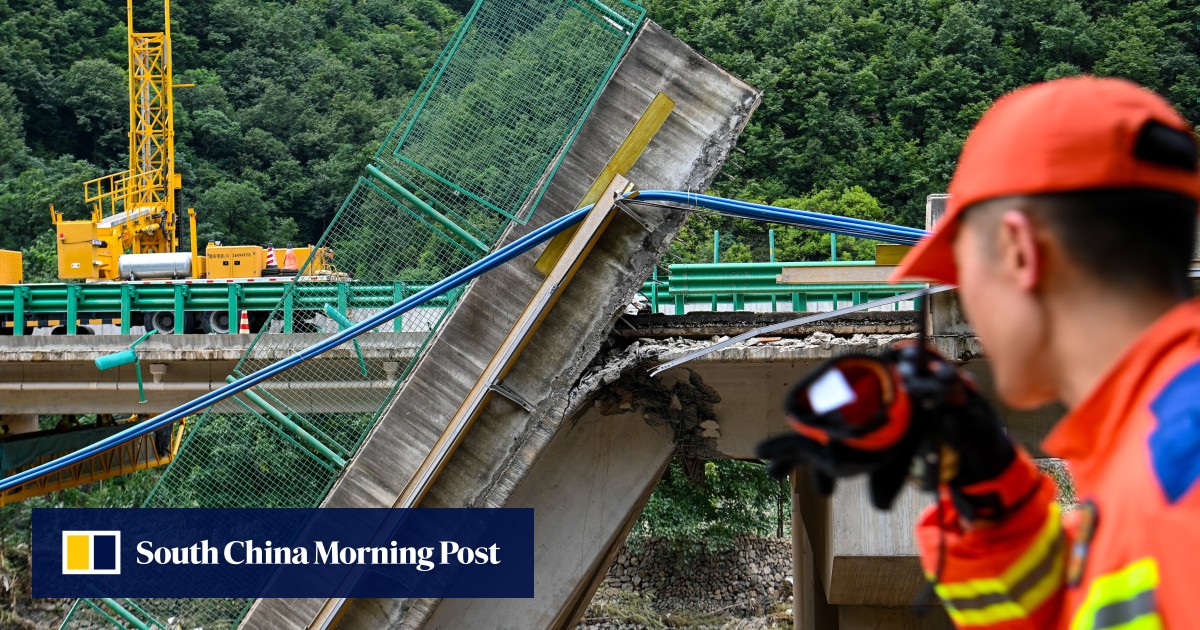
473, 150
488, 125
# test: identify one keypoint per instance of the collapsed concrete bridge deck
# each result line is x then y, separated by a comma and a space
556, 436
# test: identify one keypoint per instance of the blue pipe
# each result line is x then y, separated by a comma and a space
800, 218
718, 203
847, 226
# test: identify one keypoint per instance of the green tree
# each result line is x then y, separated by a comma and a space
97, 92
235, 213
734, 498
40, 262
881, 94
25, 199
13, 153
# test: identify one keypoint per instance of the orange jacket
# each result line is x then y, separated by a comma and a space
1129, 557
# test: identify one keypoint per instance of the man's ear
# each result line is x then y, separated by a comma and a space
1018, 248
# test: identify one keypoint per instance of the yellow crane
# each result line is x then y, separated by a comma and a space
134, 211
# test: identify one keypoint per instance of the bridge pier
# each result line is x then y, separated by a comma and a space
586, 489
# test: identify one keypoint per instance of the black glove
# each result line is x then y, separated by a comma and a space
787, 452
966, 443
907, 411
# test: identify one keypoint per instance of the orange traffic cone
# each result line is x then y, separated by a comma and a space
289, 259
244, 324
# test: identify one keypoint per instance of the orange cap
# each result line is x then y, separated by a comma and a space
1078, 133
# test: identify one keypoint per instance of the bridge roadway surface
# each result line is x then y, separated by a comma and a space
58, 374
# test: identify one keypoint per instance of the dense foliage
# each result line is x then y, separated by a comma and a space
879, 94
732, 498
290, 100
865, 102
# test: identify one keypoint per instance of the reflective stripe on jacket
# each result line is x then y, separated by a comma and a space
1129, 558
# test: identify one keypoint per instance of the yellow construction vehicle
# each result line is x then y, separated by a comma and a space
134, 211
133, 231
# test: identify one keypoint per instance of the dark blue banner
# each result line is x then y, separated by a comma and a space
325, 552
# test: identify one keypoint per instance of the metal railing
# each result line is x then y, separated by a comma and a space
756, 287
688, 287
24, 305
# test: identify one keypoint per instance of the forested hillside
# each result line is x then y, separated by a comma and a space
290, 100
865, 103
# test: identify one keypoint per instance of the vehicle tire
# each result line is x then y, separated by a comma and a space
164, 322
216, 322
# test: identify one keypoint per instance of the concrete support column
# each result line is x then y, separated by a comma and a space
803, 579
810, 606
20, 422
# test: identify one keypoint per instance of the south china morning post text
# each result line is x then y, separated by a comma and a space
237, 552
323, 552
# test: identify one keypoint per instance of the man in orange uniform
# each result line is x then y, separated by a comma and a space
1069, 232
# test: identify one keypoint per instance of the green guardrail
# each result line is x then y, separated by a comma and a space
18, 303
736, 284
739, 284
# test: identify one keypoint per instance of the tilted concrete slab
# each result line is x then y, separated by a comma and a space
596, 472
499, 453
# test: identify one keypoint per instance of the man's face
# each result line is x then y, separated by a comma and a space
1007, 317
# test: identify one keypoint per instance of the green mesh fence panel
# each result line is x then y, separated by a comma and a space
472, 151
487, 128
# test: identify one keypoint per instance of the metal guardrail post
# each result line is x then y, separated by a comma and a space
126, 308
20, 295
233, 311
343, 297
654, 290
181, 293
289, 312
72, 308
397, 295
235, 292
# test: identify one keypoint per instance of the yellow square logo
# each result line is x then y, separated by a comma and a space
91, 553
